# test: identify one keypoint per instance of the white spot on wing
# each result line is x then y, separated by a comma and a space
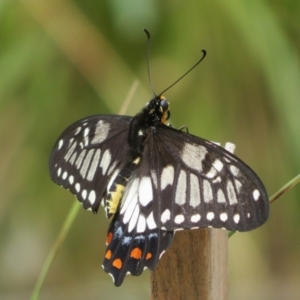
221, 197
193, 155
101, 132
234, 170
86, 132
150, 221
223, 216
230, 147
80, 159
94, 165
86, 163
65, 175
58, 172
194, 191
238, 185
165, 216
78, 129
92, 197
111, 168
236, 218
256, 195
129, 194
133, 219
195, 218
77, 187
211, 173
130, 209
207, 191
167, 176
71, 179
105, 161
145, 191
231, 193
70, 151
73, 158
84, 194
60, 143
112, 179
179, 219
141, 226
180, 196
210, 215
218, 165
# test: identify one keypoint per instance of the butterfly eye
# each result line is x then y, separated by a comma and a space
164, 105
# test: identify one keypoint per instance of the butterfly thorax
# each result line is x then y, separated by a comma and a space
155, 112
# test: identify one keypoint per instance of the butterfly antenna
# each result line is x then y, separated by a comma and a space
194, 66
148, 59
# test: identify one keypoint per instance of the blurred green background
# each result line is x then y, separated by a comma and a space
64, 60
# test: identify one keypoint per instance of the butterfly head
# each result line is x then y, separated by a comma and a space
158, 110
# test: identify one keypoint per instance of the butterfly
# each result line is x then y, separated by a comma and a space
152, 180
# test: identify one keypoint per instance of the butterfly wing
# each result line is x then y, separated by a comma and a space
131, 250
87, 154
134, 241
187, 182
181, 182
200, 184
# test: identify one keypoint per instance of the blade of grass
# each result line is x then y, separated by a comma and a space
72, 214
285, 188
61, 237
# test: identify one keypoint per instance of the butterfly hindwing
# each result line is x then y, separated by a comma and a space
88, 154
130, 251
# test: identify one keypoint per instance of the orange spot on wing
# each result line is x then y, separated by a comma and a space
136, 253
108, 254
117, 263
148, 256
109, 238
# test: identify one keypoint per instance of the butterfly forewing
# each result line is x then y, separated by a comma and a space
200, 184
88, 154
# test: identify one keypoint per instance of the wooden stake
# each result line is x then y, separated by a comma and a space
195, 267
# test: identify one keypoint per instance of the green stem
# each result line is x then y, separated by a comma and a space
61, 237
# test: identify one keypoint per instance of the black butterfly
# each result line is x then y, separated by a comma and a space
152, 180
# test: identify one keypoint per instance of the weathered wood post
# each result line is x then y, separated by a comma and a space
195, 267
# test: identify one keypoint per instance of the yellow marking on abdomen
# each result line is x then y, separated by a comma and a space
115, 197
